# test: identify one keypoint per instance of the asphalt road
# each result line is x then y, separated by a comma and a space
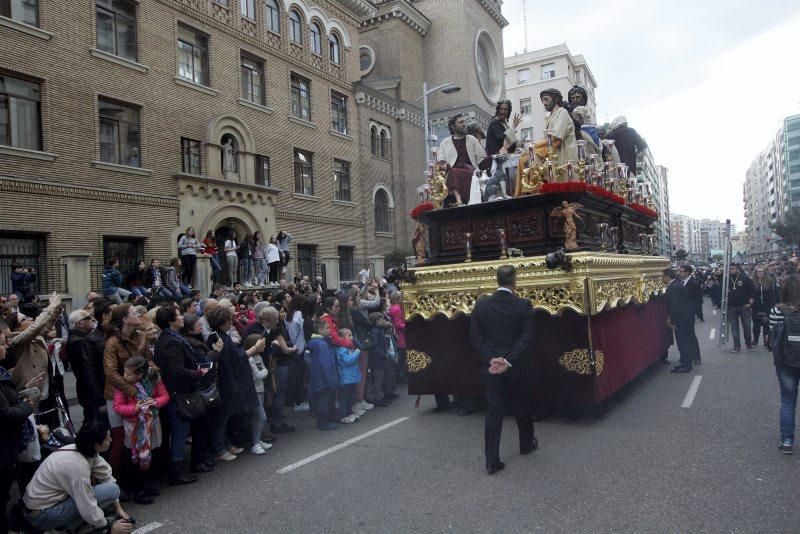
651, 465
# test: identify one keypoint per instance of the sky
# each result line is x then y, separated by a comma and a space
707, 83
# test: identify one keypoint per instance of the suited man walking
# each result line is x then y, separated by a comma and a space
681, 320
501, 330
695, 295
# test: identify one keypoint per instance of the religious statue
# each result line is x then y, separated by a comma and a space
463, 154
228, 152
420, 241
568, 211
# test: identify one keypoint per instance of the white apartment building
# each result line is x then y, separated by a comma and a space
526, 75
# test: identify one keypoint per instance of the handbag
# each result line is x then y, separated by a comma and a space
190, 405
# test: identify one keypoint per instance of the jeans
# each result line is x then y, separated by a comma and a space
736, 314
119, 296
279, 400
215, 269
261, 269
65, 513
788, 379
179, 432
233, 263
259, 419
139, 291
347, 394
245, 270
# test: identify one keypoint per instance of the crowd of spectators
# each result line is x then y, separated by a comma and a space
171, 382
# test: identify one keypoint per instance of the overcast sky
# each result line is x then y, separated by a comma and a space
706, 82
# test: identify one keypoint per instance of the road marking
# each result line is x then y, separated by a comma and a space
342, 445
714, 311
148, 527
687, 402
712, 334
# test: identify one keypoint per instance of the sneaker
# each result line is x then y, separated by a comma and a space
302, 407
236, 450
350, 419
264, 445
364, 405
358, 412
786, 448
227, 456
258, 450
736, 350
750, 348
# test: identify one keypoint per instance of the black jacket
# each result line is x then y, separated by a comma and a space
377, 346
496, 136
235, 379
502, 325
627, 141
177, 363
87, 365
740, 290
694, 291
765, 297
13, 412
679, 307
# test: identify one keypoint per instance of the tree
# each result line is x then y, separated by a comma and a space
789, 227
681, 255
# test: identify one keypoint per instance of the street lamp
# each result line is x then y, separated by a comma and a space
446, 88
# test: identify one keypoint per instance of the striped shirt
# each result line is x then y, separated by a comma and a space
776, 317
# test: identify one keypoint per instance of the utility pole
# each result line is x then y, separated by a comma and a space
525, 25
726, 273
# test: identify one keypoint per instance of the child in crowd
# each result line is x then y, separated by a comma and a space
377, 347
141, 422
260, 372
349, 377
322, 375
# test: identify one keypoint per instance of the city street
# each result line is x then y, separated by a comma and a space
661, 461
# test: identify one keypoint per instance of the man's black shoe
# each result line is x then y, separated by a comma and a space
282, 428
142, 497
383, 403
201, 468
441, 408
495, 468
124, 496
530, 448
465, 411
697, 361
152, 490
681, 369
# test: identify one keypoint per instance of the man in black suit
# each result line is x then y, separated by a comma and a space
695, 294
681, 320
501, 329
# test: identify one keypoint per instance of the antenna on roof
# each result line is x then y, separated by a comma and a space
525, 26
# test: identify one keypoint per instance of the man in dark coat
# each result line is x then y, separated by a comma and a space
741, 296
680, 318
87, 365
627, 141
501, 330
693, 289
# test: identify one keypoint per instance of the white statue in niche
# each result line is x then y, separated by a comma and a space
228, 157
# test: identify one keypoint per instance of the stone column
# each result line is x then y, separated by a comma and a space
332, 280
202, 274
378, 270
79, 277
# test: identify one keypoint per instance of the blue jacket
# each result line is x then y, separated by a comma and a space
112, 279
347, 361
322, 373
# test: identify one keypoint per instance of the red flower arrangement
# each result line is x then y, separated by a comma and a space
644, 210
608, 195
420, 209
567, 187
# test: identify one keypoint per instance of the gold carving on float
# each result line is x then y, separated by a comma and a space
578, 361
417, 361
596, 282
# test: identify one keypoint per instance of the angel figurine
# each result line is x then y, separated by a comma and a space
568, 211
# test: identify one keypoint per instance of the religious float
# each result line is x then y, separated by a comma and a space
580, 237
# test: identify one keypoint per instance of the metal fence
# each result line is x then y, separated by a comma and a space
42, 275
350, 267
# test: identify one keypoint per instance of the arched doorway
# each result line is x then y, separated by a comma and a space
224, 229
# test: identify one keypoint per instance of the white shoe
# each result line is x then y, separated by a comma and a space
349, 419
258, 449
226, 456
248, 284
364, 405
302, 407
264, 445
358, 412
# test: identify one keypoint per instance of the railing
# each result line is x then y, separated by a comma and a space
50, 275
350, 267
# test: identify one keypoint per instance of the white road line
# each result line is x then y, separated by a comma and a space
342, 445
687, 402
714, 311
148, 527
712, 334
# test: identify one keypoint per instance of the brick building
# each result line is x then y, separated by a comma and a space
124, 122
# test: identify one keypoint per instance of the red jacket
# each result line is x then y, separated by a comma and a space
336, 339
399, 322
125, 406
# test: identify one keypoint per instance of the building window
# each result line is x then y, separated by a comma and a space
338, 113
301, 98
316, 38
116, 28
119, 133
335, 49
273, 16
303, 172
341, 179
346, 270
192, 55
20, 113
548, 71
262, 171
307, 261
248, 8
295, 27
374, 141
386, 145
26, 11
527, 134
523, 76
383, 219
252, 80
190, 153
525, 106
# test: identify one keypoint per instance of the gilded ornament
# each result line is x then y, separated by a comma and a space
578, 361
417, 361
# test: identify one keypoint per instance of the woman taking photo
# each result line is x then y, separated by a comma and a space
766, 296
273, 260
210, 247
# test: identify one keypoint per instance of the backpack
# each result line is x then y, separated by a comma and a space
787, 351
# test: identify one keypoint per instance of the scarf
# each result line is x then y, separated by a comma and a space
186, 345
28, 433
143, 426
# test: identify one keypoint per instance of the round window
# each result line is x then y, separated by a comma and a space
366, 59
487, 65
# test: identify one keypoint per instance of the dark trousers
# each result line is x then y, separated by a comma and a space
324, 406
274, 271
503, 392
757, 326
7, 476
699, 311
736, 314
688, 346
188, 262
347, 395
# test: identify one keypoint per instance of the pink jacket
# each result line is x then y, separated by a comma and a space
399, 323
125, 406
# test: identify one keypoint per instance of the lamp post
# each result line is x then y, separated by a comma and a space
446, 88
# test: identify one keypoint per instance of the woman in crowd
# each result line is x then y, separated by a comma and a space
399, 323
786, 357
188, 247
135, 280
231, 257
259, 257
210, 248
173, 282
766, 296
245, 253
283, 239
273, 260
